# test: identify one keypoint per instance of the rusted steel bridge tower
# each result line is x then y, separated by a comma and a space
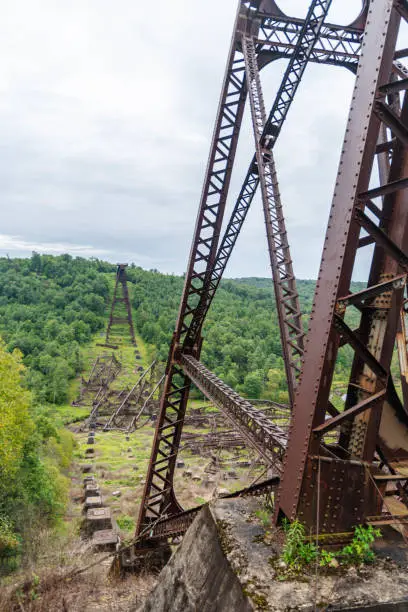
121, 311
370, 207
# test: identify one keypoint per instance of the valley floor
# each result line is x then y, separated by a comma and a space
56, 580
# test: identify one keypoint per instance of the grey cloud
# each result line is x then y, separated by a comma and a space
106, 116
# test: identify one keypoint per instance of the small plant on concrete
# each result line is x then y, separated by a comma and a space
327, 559
297, 552
264, 516
359, 550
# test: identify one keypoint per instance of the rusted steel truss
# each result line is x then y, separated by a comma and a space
104, 370
369, 206
260, 433
262, 33
117, 300
124, 409
176, 526
262, 171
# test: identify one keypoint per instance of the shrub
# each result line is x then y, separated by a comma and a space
359, 550
126, 523
297, 553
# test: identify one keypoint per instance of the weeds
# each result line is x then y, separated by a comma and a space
299, 553
264, 516
359, 550
126, 523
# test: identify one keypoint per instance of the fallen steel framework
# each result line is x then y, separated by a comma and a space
123, 409
104, 370
221, 437
134, 403
354, 469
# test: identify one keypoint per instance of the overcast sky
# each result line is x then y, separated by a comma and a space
106, 114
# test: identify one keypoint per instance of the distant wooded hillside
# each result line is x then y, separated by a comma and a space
50, 306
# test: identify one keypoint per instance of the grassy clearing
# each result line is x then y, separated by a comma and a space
121, 462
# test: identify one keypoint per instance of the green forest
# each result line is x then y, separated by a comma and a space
51, 308
241, 333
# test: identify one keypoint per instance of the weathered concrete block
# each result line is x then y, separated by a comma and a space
86, 469
222, 491
198, 576
92, 490
94, 501
180, 463
89, 480
105, 540
91, 440
89, 452
98, 519
209, 482
223, 565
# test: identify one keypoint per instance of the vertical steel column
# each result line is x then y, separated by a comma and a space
287, 299
379, 324
158, 497
341, 243
308, 36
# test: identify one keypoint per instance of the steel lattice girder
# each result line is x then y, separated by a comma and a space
158, 496
303, 40
341, 507
202, 256
268, 439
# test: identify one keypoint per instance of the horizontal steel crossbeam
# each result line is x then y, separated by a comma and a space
363, 297
350, 413
336, 45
